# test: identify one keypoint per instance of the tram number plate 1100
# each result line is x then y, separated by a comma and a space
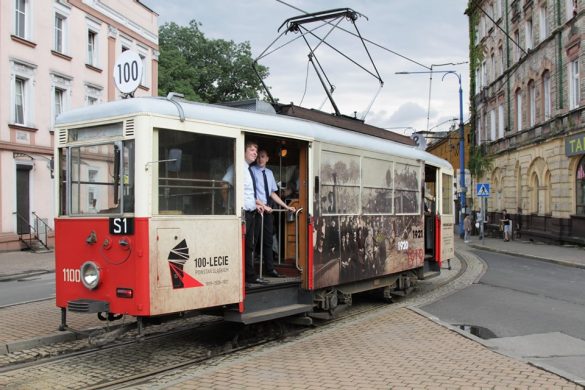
121, 225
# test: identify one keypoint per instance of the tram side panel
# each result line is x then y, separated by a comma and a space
368, 220
197, 263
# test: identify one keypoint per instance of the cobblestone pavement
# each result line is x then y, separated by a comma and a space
392, 349
397, 347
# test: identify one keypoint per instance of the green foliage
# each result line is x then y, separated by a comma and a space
204, 69
479, 163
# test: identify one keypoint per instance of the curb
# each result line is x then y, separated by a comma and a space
543, 366
22, 275
544, 259
20, 345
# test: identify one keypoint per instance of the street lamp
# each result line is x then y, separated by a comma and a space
463, 191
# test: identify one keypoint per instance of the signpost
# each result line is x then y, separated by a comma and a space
483, 192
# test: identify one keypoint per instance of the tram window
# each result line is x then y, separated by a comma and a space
377, 186
192, 183
447, 194
340, 183
95, 179
406, 189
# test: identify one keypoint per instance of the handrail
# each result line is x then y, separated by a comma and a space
20, 234
297, 238
45, 242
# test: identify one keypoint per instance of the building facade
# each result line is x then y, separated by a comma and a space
56, 55
528, 112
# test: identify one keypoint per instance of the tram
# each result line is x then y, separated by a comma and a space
146, 226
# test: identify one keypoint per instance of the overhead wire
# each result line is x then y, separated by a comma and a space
359, 36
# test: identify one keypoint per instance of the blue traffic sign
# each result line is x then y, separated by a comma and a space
483, 189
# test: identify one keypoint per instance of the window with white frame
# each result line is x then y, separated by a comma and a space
479, 129
22, 79
574, 90
59, 37
59, 97
501, 122
484, 74
493, 71
22, 18
570, 8
546, 95
543, 22
492, 125
516, 45
60, 88
93, 28
501, 57
529, 35
518, 99
477, 80
92, 47
142, 55
19, 99
532, 102
93, 94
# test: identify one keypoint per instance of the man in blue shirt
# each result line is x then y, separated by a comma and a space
266, 193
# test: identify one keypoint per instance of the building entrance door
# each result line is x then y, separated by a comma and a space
23, 199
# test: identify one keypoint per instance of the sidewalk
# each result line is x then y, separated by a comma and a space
16, 264
566, 255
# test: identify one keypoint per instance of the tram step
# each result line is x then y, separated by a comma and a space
268, 314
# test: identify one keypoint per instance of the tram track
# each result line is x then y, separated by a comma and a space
160, 357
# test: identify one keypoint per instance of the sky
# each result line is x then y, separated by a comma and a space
405, 35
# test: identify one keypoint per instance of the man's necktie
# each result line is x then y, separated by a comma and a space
266, 188
253, 182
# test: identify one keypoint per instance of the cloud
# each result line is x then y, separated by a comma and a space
408, 112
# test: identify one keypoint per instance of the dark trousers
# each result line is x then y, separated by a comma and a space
250, 243
267, 253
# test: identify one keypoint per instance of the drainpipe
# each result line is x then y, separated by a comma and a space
509, 119
560, 103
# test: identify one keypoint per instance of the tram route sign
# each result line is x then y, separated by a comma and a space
121, 225
483, 190
128, 72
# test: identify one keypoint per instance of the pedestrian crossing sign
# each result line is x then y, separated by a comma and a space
483, 189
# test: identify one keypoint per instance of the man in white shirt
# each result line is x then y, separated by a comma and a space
251, 208
266, 192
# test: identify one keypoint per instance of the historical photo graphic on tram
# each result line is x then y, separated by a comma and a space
368, 219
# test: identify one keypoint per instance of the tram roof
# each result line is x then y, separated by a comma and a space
247, 118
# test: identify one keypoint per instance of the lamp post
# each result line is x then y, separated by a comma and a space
463, 191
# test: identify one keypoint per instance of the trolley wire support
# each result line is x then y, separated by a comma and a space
333, 18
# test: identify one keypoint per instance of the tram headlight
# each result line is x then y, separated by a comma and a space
90, 275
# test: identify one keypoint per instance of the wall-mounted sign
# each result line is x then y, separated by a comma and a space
575, 145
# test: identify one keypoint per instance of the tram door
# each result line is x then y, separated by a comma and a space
288, 160
430, 217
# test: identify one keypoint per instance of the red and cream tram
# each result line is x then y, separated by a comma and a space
147, 227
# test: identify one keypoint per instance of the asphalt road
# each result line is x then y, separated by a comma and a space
27, 289
531, 309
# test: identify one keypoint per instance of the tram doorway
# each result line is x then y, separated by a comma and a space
288, 161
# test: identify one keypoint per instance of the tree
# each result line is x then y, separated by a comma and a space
206, 70
479, 163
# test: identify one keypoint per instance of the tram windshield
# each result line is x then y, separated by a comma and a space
97, 179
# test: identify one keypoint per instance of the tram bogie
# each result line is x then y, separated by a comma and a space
148, 226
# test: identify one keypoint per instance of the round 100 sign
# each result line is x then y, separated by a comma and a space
128, 72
